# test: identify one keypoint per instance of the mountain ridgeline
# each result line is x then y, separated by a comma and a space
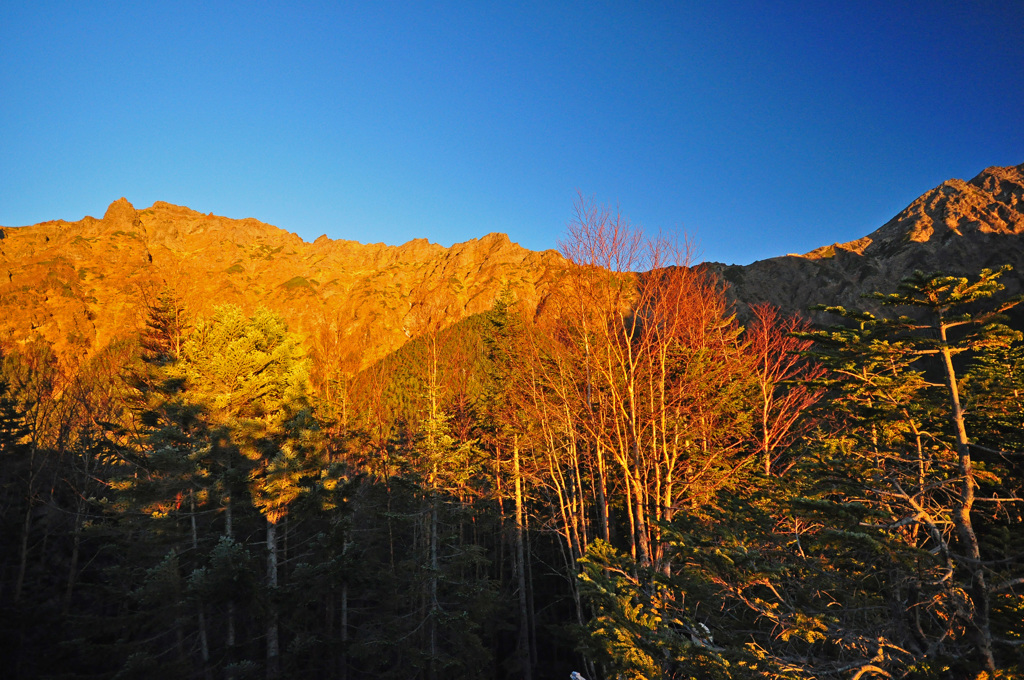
78, 285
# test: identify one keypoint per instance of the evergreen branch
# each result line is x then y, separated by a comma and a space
1006, 585
997, 452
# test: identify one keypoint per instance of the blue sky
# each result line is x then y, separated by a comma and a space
758, 128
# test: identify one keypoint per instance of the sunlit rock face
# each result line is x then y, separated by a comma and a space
80, 285
958, 227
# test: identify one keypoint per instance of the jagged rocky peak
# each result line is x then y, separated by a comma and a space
990, 203
362, 293
1006, 185
121, 215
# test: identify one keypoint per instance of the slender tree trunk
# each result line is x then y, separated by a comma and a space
26, 528
344, 631
344, 617
204, 643
273, 641
330, 606
642, 528
629, 512
230, 641
75, 552
434, 570
77, 542
501, 514
434, 522
531, 608
23, 557
962, 518
524, 622
602, 493
766, 448
579, 502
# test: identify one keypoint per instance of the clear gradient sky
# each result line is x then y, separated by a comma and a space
759, 128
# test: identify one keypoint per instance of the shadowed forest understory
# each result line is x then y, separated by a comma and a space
629, 484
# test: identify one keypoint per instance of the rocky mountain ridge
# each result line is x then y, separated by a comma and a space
80, 285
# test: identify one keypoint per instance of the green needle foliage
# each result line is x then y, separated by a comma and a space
901, 378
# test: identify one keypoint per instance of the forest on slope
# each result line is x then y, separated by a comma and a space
630, 484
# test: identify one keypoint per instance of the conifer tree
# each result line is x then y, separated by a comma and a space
250, 374
501, 422
925, 474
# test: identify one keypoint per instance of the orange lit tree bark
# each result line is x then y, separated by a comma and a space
641, 385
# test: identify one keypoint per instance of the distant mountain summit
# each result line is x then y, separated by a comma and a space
80, 285
958, 227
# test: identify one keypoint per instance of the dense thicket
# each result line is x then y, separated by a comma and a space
628, 484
